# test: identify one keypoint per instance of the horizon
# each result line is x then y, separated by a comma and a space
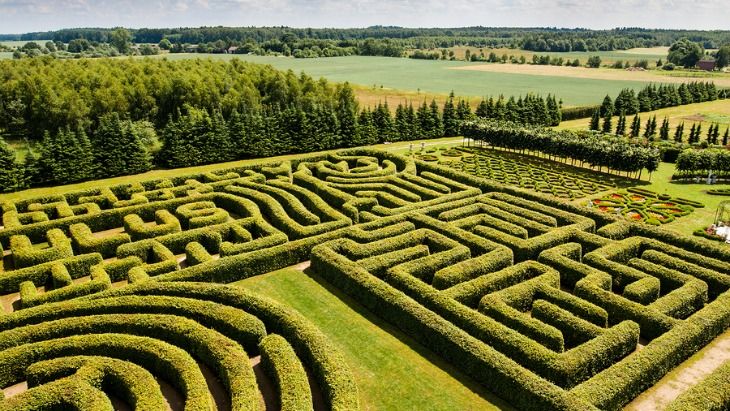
21, 17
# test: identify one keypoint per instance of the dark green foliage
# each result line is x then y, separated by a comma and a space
595, 121
11, 173
118, 149
685, 53
65, 157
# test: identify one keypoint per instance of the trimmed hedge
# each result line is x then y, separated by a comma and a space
281, 364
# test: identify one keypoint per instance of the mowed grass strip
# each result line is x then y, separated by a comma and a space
392, 371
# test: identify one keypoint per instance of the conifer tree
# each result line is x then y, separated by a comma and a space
368, 131
554, 112
606, 106
635, 126
595, 121
678, 133
692, 132
450, 120
347, 116
383, 121
726, 137
607, 126
716, 134
402, 129
437, 127
664, 130
118, 149
463, 110
621, 126
11, 173
698, 133
710, 133
482, 109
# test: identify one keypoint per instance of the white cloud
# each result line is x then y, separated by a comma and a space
34, 15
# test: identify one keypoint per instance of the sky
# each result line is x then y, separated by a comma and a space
18, 16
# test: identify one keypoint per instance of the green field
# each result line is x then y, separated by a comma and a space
436, 77
375, 350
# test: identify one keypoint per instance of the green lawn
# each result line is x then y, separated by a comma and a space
436, 77
392, 371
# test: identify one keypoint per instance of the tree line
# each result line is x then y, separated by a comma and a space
535, 39
597, 149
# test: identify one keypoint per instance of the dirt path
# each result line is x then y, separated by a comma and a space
588, 73
269, 398
684, 376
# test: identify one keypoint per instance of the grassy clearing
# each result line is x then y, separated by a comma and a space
392, 371
717, 111
436, 77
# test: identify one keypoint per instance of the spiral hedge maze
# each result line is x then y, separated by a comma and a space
110, 296
523, 173
645, 206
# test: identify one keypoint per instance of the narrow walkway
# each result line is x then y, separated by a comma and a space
684, 376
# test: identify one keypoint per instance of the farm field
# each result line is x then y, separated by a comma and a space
410, 267
437, 77
651, 54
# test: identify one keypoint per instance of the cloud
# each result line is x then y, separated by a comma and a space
35, 15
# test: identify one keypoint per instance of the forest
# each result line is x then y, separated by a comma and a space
85, 119
390, 41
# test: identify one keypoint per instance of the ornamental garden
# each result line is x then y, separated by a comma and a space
107, 292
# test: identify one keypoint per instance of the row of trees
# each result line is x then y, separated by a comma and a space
699, 163
651, 131
596, 149
653, 97
195, 136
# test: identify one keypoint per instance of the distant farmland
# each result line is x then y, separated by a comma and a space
437, 77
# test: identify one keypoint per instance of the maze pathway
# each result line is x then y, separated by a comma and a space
110, 290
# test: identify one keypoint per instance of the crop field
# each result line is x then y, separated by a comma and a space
116, 295
437, 77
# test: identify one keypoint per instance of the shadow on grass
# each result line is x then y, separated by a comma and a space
424, 352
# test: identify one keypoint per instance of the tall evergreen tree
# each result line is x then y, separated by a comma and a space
635, 126
698, 133
383, 120
726, 137
595, 121
606, 106
692, 130
678, 133
65, 157
347, 116
482, 110
621, 125
553, 108
664, 130
11, 173
450, 120
437, 127
607, 126
401, 125
368, 131
118, 149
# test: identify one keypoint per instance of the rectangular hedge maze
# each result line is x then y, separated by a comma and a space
550, 306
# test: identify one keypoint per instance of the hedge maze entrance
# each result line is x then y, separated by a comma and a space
108, 292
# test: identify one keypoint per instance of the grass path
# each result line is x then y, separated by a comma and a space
684, 376
392, 371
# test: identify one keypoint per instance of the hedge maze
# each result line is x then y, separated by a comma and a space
110, 294
524, 172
